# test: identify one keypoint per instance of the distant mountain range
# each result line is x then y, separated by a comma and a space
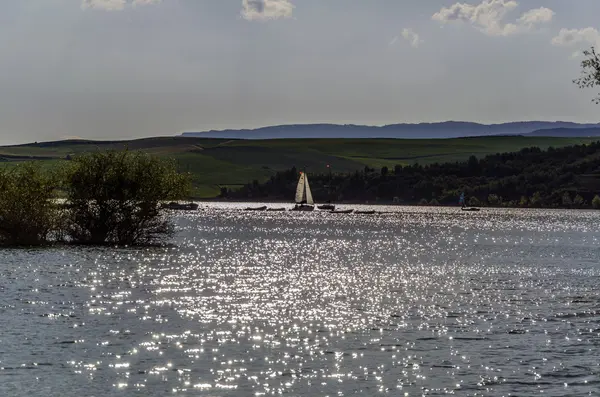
448, 129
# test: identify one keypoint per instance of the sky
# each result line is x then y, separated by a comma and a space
121, 69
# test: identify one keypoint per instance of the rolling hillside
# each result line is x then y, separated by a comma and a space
568, 132
224, 162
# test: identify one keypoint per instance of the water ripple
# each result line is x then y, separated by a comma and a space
414, 301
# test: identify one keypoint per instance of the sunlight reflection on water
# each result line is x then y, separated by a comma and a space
418, 301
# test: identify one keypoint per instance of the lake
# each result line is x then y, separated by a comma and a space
418, 301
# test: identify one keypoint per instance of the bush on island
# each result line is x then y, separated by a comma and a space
115, 197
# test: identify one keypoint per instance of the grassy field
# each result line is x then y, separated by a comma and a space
222, 162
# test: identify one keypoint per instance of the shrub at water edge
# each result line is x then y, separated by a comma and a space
114, 198
28, 214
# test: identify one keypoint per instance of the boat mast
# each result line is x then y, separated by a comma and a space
330, 179
304, 195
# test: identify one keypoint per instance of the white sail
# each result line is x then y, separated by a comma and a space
309, 197
300, 189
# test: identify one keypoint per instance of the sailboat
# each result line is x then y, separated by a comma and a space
304, 198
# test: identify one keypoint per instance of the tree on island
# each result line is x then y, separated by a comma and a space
590, 74
115, 198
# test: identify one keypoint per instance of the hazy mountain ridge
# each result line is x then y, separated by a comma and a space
448, 129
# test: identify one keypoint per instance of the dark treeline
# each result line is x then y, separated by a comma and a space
532, 177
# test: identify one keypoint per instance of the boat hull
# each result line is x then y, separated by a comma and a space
180, 207
330, 207
303, 208
264, 208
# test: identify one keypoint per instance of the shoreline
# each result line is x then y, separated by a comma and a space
382, 204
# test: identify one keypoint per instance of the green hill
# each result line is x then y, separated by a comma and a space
224, 162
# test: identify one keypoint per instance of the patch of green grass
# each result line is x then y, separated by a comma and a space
378, 163
207, 170
53, 165
270, 157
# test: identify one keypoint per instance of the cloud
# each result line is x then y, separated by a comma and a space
115, 5
106, 5
536, 16
490, 17
412, 37
575, 37
487, 16
263, 10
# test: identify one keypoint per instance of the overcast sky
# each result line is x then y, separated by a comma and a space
132, 68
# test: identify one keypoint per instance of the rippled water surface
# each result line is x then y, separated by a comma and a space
413, 302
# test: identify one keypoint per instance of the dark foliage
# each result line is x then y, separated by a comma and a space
114, 198
590, 71
28, 214
566, 177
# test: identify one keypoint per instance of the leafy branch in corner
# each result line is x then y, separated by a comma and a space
590, 76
